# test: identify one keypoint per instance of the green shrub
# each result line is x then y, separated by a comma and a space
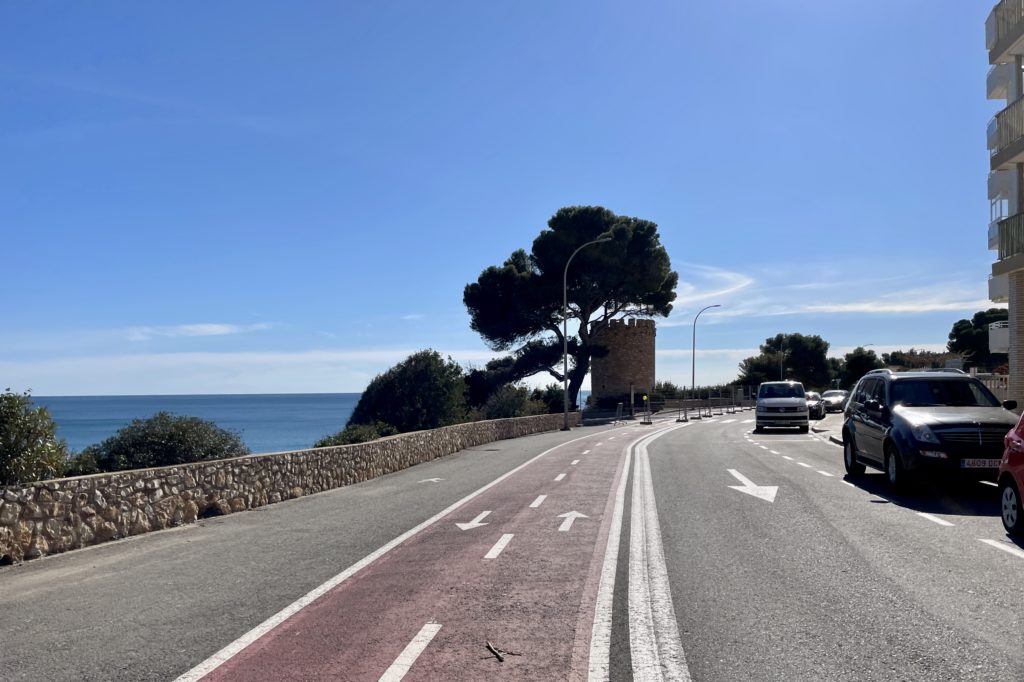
163, 440
424, 391
29, 447
512, 401
552, 397
357, 433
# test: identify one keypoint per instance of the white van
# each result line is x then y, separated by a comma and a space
782, 403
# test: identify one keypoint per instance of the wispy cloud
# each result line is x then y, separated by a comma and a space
413, 316
185, 330
314, 371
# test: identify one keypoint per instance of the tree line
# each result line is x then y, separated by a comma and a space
804, 358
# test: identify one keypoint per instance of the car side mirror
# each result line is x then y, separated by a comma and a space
872, 405
1010, 404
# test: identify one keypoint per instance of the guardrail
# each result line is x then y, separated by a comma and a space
1009, 125
1006, 17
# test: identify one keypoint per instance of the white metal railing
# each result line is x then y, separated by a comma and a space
1009, 125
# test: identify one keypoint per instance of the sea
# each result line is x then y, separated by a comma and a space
266, 423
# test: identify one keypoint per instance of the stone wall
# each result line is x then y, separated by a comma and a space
630, 359
64, 514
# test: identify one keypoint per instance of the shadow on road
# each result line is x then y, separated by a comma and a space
960, 498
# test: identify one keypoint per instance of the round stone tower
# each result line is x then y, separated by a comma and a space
630, 359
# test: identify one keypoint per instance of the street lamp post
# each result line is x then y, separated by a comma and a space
565, 331
693, 364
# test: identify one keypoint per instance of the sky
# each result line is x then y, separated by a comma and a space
240, 197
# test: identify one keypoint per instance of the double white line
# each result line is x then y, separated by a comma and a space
655, 647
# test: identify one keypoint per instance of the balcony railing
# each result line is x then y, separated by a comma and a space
1009, 125
1006, 16
1011, 236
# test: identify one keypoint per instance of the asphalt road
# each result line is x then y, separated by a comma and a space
613, 552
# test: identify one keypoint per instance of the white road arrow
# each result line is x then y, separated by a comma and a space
765, 492
475, 523
569, 518
431, 480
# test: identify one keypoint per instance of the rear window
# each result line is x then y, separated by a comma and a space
836, 394
932, 392
781, 391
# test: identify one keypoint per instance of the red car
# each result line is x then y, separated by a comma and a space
1011, 480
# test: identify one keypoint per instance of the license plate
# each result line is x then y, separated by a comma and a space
979, 463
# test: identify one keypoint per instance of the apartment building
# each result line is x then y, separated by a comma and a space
1004, 39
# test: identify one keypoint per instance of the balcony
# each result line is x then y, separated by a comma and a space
998, 82
999, 337
999, 289
1001, 185
1011, 236
993, 235
1004, 29
1008, 136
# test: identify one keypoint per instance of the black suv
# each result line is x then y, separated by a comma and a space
911, 423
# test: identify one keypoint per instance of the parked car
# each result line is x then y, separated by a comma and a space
1011, 481
911, 424
815, 405
781, 403
835, 400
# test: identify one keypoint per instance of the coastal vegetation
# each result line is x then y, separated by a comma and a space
29, 447
517, 307
161, 440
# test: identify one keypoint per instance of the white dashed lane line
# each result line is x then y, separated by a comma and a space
788, 457
538, 502
825, 473
775, 452
1008, 548
498, 546
804, 464
559, 477
935, 519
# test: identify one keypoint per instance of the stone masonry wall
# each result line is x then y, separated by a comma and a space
64, 514
630, 358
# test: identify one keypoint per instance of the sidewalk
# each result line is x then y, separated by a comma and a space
831, 426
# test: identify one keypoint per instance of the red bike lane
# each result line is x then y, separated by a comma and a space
521, 576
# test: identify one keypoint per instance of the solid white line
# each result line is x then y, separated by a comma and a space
656, 650
601, 632
574, 462
825, 473
807, 466
538, 502
936, 519
410, 653
775, 452
586, 452
559, 477
232, 649
728, 421
1005, 547
498, 546
747, 421
787, 457
991, 483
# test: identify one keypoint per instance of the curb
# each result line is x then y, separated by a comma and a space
837, 441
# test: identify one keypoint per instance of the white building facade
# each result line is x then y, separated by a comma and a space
1004, 39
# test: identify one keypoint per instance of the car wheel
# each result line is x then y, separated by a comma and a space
853, 467
1009, 502
894, 472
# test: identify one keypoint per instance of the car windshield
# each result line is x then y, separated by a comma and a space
834, 394
781, 391
932, 392
813, 396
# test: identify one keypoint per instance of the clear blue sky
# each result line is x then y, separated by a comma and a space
289, 197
